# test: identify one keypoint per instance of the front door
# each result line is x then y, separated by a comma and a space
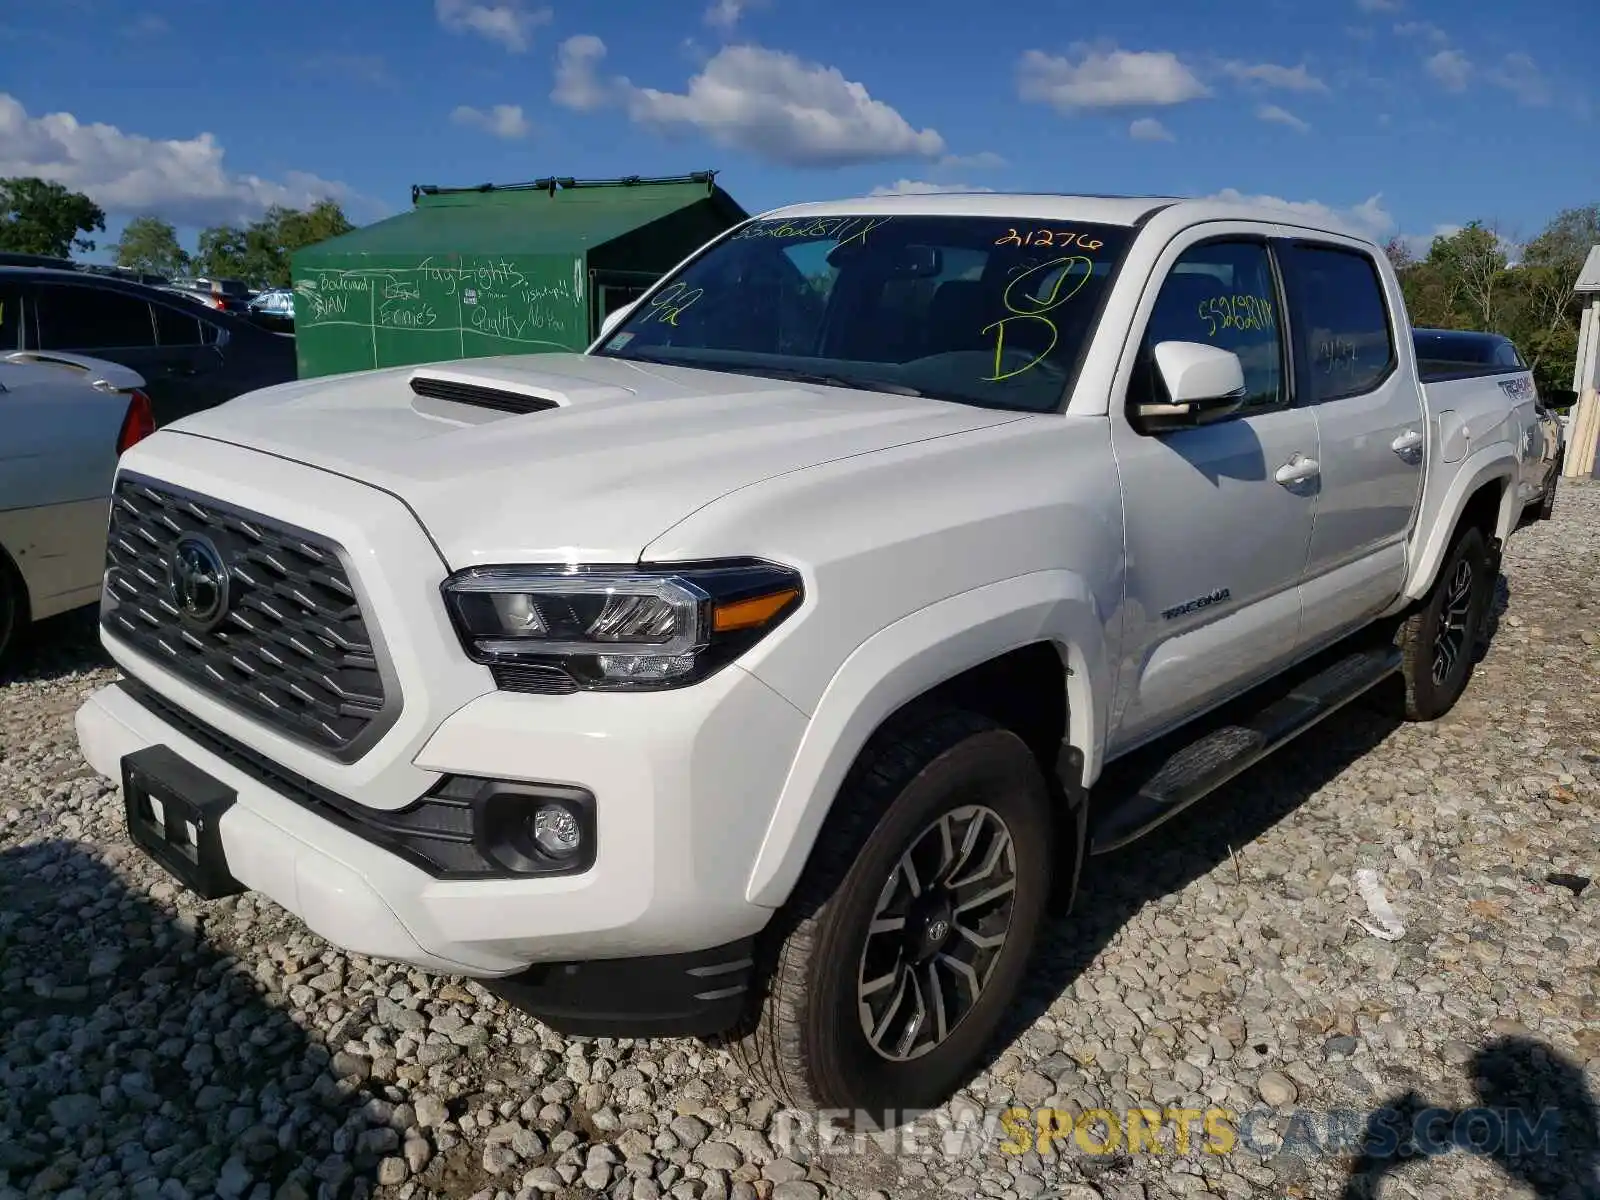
1370, 427
1218, 518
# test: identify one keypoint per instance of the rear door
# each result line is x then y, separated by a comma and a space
190, 361
102, 322
1370, 430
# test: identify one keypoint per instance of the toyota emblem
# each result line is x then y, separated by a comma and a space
199, 580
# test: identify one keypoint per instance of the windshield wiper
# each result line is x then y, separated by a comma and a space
866, 385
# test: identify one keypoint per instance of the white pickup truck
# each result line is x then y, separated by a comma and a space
764, 670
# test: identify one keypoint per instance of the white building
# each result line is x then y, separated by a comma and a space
1584, 431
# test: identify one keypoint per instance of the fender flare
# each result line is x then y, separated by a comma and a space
1487, 465
904, 661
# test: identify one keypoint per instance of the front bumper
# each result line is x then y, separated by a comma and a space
683, 782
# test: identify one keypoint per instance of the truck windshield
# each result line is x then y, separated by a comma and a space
984, 311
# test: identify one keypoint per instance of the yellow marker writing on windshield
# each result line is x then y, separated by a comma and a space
1026, 307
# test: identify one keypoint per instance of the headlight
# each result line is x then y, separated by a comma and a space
638, 628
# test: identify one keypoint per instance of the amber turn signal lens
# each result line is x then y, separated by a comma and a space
751, 614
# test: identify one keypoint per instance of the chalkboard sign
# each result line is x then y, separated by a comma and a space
438, 307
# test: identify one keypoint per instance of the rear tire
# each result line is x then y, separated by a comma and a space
924, 893
14, 617
1547, 502
1439, 641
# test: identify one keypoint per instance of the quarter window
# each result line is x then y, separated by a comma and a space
83, 318
174, 328
1219, 294
1341, 320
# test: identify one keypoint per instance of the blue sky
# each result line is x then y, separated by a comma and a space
1404, 116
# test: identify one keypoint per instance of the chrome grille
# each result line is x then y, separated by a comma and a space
292, 650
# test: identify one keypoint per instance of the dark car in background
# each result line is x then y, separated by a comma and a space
192, 358
224, 295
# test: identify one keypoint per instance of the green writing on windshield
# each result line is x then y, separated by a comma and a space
844, 230
668, 304
1023, 303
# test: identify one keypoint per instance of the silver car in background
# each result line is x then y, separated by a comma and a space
64, 421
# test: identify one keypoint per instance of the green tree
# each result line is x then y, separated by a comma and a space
1547, 278
260, 252
220, 252
37, 217
1471, 263
151, 244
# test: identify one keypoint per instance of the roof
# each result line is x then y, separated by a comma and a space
1101, 210
528, 219
1589, 277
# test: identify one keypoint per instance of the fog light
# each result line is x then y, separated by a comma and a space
556, 831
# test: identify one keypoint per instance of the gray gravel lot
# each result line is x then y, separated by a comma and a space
155, 1046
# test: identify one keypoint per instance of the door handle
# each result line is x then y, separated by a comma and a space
1407, 444
1297, 470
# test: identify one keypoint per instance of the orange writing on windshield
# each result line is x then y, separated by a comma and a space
1062, 238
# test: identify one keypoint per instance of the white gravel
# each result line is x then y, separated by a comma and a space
155, 1046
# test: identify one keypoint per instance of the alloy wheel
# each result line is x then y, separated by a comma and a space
1450, 642
937, 932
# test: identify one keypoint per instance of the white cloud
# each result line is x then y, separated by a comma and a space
1520, 75
1450, 69
1427, 31
184, 181
578, 86
503, 120
1282, 116
1293, 79
921, 187
765, 102
725, 14
1377, 6
1368, 219
984, 160
1148, 129
509, 22
1106, 79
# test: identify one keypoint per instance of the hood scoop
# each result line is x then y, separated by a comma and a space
511, 399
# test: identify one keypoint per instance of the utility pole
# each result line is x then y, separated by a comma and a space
1584, 432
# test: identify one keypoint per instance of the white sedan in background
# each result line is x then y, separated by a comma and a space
64, 421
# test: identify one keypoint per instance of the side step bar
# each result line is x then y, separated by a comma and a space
1160, 781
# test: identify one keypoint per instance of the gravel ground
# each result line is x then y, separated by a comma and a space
155, 1046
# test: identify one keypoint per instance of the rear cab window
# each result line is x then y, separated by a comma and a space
1344, 336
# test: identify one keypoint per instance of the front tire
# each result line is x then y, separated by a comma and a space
909, 933
1439, 641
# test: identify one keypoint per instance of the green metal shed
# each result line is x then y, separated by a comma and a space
496, 269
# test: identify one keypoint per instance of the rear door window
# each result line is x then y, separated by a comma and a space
1341, 320
72, 317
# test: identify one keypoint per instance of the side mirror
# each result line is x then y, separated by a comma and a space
615, 317
1559, 398
1204, 383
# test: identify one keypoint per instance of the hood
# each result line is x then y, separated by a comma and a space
567, 457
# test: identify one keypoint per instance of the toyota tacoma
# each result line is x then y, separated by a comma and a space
768, 670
